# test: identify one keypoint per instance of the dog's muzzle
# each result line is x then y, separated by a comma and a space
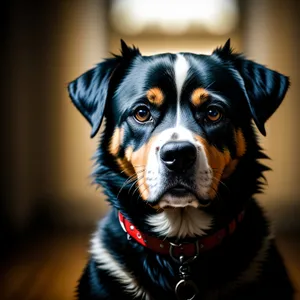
178, 159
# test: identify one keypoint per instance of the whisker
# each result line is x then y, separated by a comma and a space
141, 193
133, 186
138, 178
217, 194
131, 177
137, 189
138, 186
129, 180
221, 182
127, 169
219, 173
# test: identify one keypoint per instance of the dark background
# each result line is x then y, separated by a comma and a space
48, 207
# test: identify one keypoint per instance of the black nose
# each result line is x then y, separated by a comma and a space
178, 156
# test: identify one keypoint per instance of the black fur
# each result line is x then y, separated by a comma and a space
252, 91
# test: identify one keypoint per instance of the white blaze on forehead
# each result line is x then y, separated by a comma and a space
181, 68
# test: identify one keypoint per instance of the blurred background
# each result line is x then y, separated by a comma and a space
48, 207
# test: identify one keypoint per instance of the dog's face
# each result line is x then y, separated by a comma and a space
176, 121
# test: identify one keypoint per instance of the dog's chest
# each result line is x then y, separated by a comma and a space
154, 278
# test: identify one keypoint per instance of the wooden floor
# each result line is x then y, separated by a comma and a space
47, 268
289, 246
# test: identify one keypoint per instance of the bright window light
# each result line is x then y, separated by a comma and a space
174, 16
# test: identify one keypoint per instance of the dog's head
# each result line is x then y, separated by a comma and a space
177, 123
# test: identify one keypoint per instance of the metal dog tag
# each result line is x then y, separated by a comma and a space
186, 290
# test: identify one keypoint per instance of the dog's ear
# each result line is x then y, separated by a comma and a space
264, 88
89, 91
129, 52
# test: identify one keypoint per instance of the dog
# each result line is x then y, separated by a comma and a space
179, 162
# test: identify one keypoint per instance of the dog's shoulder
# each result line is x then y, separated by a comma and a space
107, 275
265, 276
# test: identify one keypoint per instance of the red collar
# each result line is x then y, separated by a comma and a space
176, 250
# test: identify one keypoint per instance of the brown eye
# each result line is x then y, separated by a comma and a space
213, 114
142, 114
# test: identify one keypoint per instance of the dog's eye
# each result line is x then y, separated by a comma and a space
213, 114
142, 114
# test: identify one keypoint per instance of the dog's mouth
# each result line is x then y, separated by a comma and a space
180, 196
179, 191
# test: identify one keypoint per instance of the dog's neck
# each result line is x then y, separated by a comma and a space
187, 249
180, 222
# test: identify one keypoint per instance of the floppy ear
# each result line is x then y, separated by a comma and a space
89, 91
264, 88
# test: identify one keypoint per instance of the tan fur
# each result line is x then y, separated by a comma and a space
240, 151
221, 162
134, 162
125, 166
116, 141
155, 96
240, 143
199, 96
217, 161
139, 162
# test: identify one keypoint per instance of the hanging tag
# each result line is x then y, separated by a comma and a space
186, 290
